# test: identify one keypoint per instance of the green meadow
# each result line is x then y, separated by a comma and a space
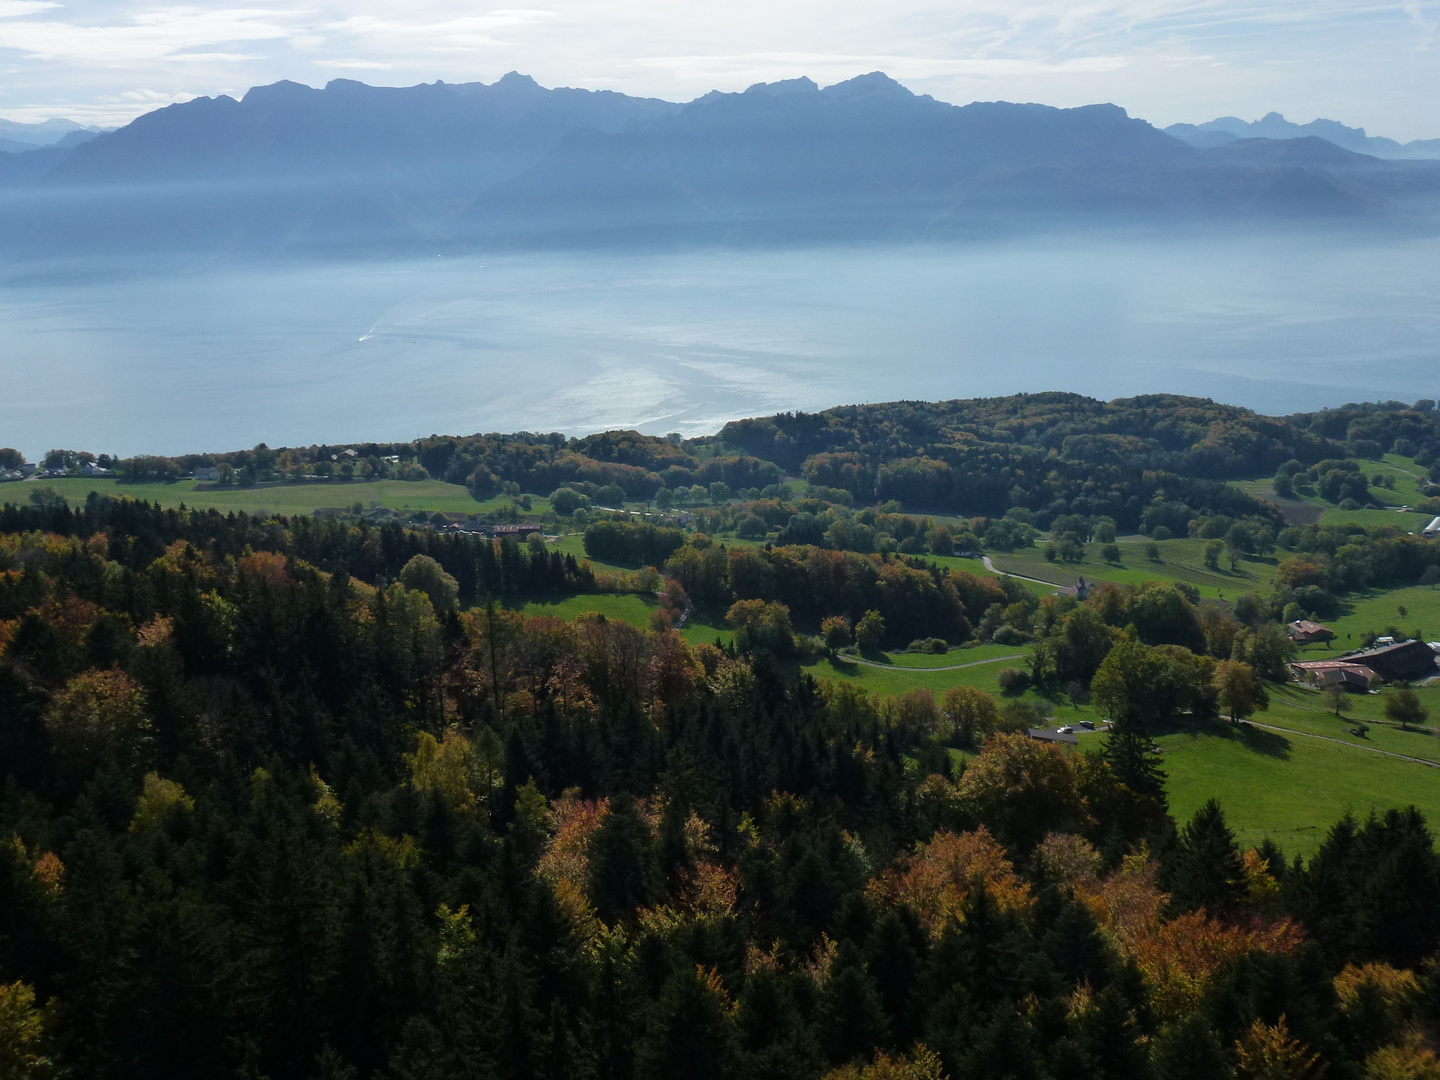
1306, 506
1415, 610
303, 497
1287, 787
626, 607
1290, 785
1180, 560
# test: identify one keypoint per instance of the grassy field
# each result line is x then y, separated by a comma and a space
627, 607
1306, 506
574, 544
1302, 709
298, 498
1377, 610
1180, 560
1287, 787
1290, 785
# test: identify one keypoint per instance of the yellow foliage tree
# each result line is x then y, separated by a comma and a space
22, 1035
158, 798
920, 1064
1267, 1052
442, 766
99, 717
1410, 1060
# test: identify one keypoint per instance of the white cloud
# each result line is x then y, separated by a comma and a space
13, 9
155, 34
352, 64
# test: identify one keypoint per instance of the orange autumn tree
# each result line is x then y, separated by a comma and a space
936, 881
1178, 957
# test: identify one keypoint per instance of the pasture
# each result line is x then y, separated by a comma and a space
302, 497
1180, 560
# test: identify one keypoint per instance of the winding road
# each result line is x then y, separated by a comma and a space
1005, 573
951, 667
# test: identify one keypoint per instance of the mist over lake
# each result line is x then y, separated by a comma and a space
173, 357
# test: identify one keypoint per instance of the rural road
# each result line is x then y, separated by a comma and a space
1342, 742
952, 667
1003, 573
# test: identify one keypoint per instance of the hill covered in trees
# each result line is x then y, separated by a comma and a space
301, 797
1142, 461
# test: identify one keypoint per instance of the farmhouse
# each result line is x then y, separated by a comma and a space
1403, 661
514, 532
1303, 631
1351, 675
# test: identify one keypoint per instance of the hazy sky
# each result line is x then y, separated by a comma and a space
1375, 65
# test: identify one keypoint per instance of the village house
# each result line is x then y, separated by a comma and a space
1303, 631
1355, 677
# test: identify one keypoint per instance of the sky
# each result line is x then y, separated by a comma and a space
1373, 65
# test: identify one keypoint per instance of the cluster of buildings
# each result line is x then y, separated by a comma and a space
1387, 661
27, 470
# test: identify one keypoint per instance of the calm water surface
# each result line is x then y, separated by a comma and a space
172, 359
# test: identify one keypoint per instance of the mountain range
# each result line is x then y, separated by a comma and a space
17, 137
442, 167
1229, 129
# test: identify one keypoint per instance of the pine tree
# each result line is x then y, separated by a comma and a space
1205, 870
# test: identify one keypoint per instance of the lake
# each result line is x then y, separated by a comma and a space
168, 358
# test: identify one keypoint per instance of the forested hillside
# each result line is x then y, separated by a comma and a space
296, 797
1139, 461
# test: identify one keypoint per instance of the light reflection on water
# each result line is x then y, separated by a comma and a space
172, 359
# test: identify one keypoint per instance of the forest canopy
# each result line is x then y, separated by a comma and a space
294, 797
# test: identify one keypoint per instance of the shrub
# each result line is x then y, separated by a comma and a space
934, 646
1012, 680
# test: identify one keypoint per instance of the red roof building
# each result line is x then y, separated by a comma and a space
1303, 631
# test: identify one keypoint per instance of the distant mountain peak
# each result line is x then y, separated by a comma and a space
513, 80
871, 84
803, 85
278, 93
1273, 125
